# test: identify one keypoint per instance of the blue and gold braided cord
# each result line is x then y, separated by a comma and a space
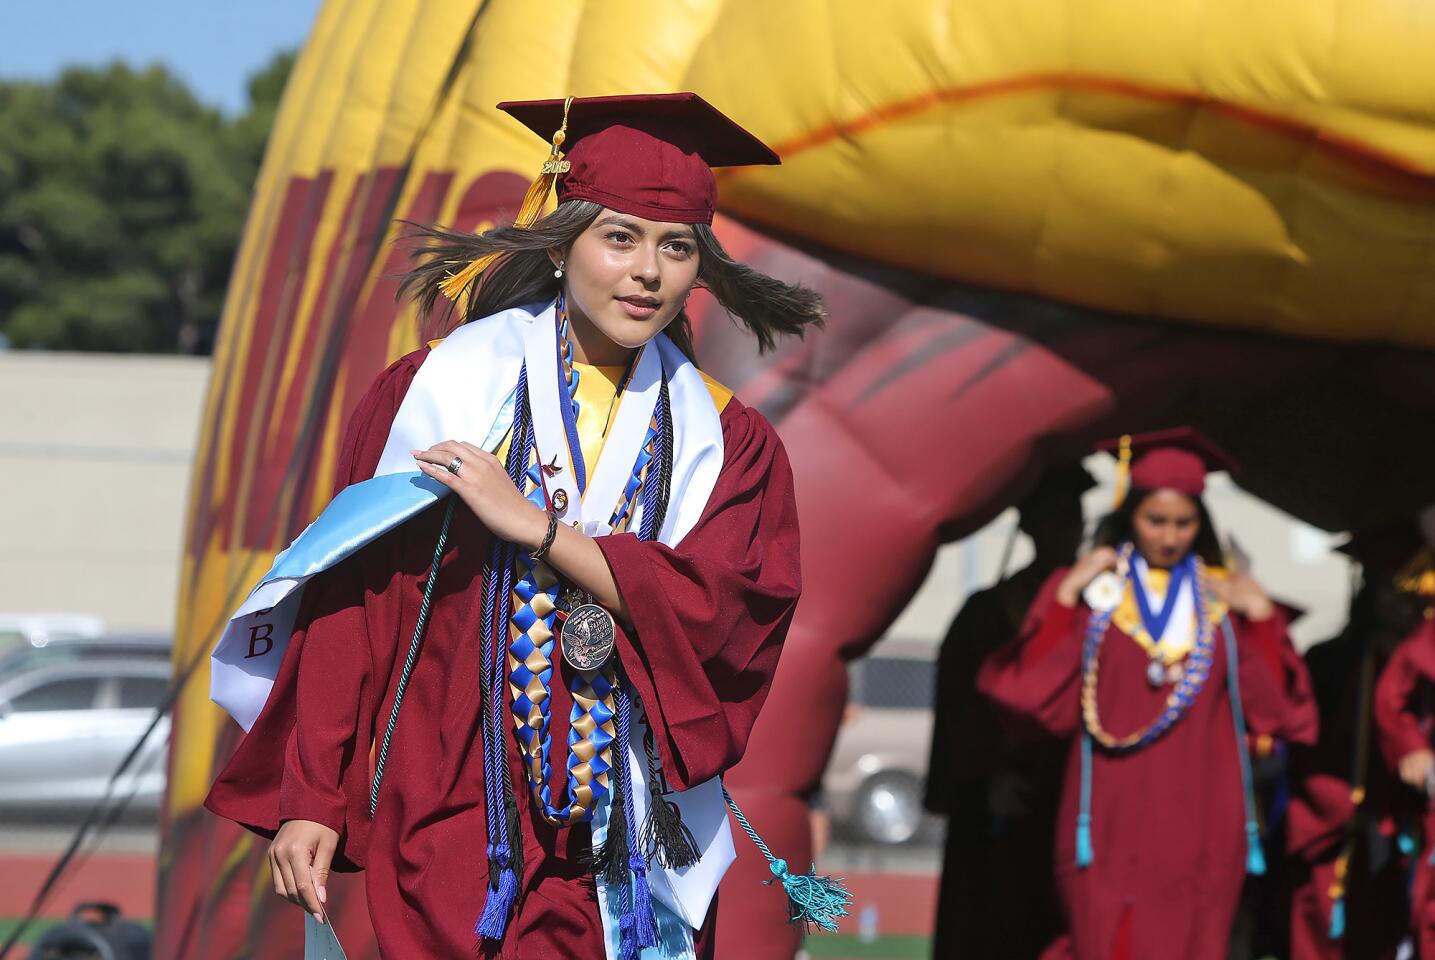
531, 649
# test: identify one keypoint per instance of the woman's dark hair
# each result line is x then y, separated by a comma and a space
766, 307
1115, 528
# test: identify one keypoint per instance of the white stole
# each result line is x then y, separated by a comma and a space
465, 390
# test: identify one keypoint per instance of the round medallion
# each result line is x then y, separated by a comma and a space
560, 500
588, 637
1103, 593
1156, 673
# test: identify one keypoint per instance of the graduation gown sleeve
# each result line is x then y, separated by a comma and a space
1036, 676
306, 756
1275, 686
1397, 719
709, 615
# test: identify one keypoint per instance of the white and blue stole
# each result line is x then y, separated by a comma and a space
465, 390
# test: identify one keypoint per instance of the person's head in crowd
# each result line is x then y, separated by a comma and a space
1161, 479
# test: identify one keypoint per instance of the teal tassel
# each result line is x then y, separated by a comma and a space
811, 899
1255, 856
1337, 919
1084, 853
1406, 843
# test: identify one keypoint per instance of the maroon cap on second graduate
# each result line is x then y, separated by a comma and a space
648, 155
1176, 459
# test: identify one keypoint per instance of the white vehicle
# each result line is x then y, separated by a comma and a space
71, 713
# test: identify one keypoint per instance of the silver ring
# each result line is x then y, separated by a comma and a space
454, 464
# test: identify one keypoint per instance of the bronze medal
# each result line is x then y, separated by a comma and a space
588, 637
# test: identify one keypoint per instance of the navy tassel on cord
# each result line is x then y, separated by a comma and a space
500, 808
812, 900
637, 923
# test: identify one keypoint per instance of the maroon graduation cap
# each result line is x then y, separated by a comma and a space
648, 155
1175, 459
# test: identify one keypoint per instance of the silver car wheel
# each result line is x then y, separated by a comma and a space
889, 809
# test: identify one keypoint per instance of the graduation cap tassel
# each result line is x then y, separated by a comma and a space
812, 899
533, 202
1123, 471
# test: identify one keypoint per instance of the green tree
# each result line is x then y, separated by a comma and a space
122, 199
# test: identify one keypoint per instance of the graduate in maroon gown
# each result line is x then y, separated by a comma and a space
1348, 812
1155, 665
474, 823
1404, 719
998, 789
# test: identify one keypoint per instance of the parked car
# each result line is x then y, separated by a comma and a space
53, 648
873, 784
21, 630
66, 725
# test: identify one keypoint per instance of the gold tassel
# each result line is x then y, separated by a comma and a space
534, 200
1123, 471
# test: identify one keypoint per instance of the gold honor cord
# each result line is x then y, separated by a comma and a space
1181, 694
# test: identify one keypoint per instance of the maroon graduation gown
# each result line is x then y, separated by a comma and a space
1167, 821
1320, 814
1404, 697
709, 618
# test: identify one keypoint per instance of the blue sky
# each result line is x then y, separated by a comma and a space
213, 46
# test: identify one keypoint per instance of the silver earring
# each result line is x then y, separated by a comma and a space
559, 272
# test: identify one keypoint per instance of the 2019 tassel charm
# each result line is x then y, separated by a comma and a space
534, 200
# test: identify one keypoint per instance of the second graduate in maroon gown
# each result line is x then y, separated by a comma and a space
1349, 814
1156, 665
1404, 720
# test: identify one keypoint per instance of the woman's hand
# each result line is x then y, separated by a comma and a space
1085, 570
1242, 594
299, 858
482, 482
1416, 768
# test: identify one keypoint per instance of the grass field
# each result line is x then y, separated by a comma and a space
841, 946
